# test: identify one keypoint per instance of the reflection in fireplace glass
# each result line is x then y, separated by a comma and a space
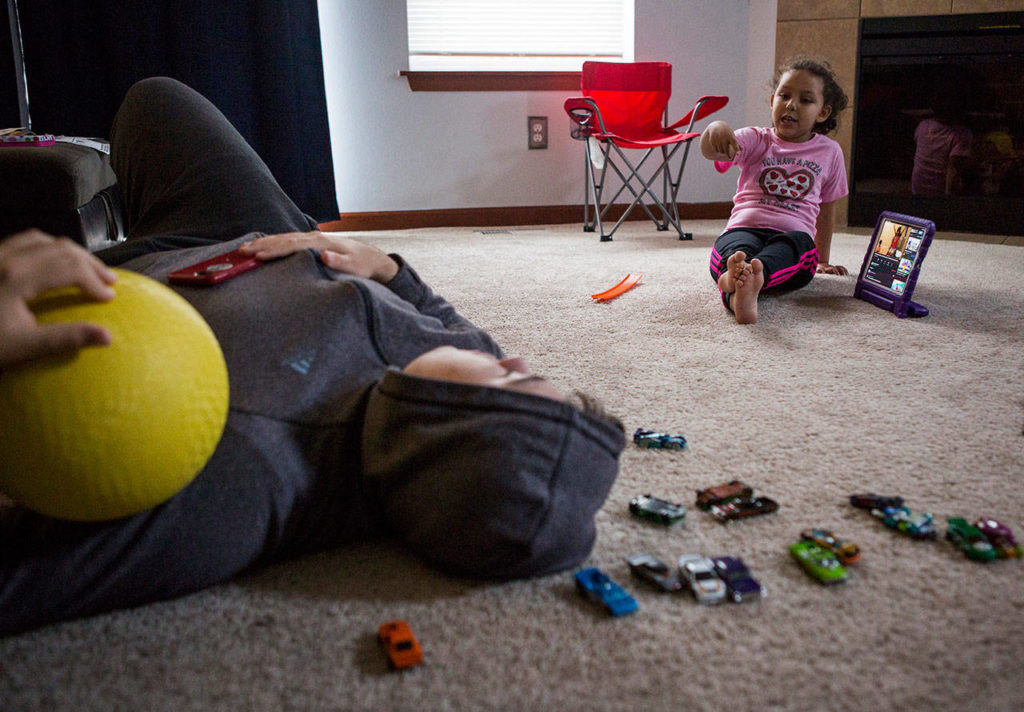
941, 126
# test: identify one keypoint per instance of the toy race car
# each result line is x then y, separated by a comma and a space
845, 551
657, 510
401, 646
874, 501
970, 540
699, 573
720, 494
648, 567
739, 584
900, 518
819, 563
1001, 538
594, 585
743, 507
658, 441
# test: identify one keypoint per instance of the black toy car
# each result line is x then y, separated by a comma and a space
657, 510
743, 507
651, 569
874, 501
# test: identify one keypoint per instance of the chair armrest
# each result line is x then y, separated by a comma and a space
704, 107
585, 115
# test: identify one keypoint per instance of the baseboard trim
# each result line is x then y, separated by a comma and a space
489, 217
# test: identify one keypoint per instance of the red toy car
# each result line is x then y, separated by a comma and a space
400, 644
720, 494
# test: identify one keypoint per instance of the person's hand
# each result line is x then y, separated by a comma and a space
826, 268
31, 263
718, 142
342, 254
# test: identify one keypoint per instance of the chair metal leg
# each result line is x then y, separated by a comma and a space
664, 209
587, 227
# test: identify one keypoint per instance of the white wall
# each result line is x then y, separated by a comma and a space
395, 149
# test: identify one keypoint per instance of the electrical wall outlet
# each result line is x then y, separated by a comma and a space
537, 132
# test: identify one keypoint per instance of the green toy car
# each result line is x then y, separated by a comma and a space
818, 562
970, 540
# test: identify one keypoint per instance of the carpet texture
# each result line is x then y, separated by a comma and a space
824, 397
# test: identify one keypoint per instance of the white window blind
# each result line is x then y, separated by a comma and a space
517, 35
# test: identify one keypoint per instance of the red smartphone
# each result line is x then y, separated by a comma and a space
214, 270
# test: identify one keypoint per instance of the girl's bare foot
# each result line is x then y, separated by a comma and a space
744, 301
732, 277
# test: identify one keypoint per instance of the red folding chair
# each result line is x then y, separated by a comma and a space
625, 106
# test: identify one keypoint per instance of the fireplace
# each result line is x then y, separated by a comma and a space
946, 92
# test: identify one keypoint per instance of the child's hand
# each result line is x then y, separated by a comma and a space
342, 254
718, 142
826, 268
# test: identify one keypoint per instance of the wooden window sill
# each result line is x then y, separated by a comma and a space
492, 81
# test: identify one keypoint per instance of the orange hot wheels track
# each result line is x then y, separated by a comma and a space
622, 287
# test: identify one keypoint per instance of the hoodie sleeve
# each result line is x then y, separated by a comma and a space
408, 285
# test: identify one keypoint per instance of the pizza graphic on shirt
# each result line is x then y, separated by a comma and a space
789, 186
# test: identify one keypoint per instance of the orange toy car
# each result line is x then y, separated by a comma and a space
400, 644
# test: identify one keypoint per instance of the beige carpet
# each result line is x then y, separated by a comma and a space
825, 397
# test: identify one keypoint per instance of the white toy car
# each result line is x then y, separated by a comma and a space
699, 572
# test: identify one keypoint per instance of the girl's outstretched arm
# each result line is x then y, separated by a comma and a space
718, 142
823, 239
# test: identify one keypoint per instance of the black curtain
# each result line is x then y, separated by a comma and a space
258, 61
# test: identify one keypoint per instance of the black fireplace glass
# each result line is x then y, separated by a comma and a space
939, 121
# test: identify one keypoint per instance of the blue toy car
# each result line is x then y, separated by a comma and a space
658, 441
918, 526
594, 584
740, 585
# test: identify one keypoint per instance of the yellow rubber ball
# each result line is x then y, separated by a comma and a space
114, 430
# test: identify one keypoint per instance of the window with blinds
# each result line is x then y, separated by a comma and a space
517, 35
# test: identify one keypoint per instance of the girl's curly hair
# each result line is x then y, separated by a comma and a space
833, 93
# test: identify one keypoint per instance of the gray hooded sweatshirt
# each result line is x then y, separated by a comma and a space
328, 442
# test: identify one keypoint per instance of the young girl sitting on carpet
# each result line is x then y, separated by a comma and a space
790, 178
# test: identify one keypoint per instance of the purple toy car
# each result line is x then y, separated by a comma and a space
1001, 538
740, 585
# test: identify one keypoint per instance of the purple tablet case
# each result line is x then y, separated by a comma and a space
892, 263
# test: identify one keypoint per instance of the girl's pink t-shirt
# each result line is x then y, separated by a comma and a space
782, 185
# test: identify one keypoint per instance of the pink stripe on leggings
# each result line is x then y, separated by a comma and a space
808, 261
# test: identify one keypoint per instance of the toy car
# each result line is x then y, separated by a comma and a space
1001, 538
658, 441
819, 563
699, 573
901, 519
720, 494
740, 585
657, 510
594, 585
969, 539
846, 552
874, 501
651, 569
743, 507
400, 644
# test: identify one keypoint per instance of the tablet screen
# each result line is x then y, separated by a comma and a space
893, 254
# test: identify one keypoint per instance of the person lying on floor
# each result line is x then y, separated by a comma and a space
403, 420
